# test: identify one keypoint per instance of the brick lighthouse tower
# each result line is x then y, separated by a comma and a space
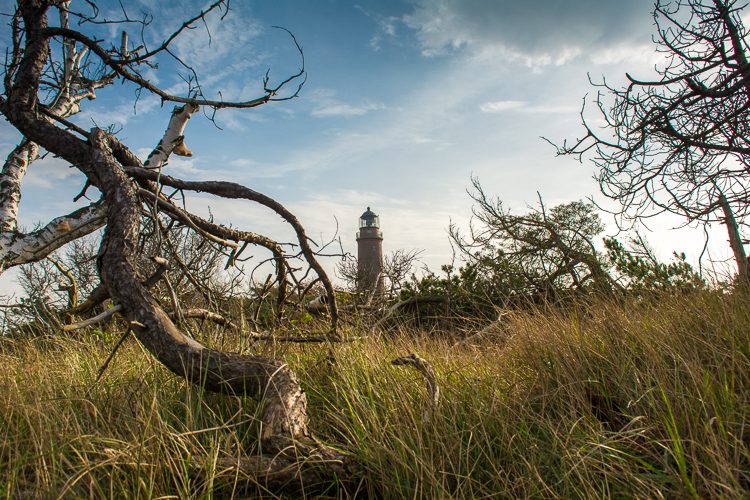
370, 252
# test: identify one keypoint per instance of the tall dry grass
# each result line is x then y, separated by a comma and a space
648, 398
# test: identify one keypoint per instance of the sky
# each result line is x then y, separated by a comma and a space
404, 102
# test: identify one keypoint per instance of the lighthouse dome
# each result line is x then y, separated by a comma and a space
369, 219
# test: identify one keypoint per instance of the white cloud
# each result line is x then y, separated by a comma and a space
386, 28
50, 172
536, 33
196, 168
243, 163
644, 54
329, 106
523, 107
186, 167
316, 159
500, 106
220, 44
342, 109
9, 136
120, 115
222, 50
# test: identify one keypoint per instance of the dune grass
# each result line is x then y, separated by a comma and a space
650, 398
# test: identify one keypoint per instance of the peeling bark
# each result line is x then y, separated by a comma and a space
19, 248
206, 315
11, 176
173, 136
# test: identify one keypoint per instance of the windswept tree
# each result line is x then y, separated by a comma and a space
538, 253
680, 143
636, 265
58, 56
509, 260
543, 256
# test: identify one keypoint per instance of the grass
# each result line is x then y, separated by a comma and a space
645, 399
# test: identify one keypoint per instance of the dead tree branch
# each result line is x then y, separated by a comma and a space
118, 174
236, 191
422, 366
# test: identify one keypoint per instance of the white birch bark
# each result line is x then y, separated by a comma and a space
19, 248
17, 163
66, 103
173, 136
11, 175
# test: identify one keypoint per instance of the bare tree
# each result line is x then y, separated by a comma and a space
52, 287
195, 286
680, 143
397, 267
537, 253
50, 70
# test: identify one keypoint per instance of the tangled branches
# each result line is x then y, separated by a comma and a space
50, 70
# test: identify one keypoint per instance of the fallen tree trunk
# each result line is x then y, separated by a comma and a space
414, 301
284, 421
262, 378
289, 451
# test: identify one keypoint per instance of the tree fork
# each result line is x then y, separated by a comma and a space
284, 421
262, 378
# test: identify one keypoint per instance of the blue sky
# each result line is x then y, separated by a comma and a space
405, 100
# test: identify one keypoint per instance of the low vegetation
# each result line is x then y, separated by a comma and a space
568, 365
637, 397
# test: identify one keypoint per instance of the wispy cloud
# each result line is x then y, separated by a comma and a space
645, 54
221, 43
50, 172
9, 136
228, 53
342, 109
329, 106
385, 28
195, 168
500, 106
319, 158
523, 107
119, 115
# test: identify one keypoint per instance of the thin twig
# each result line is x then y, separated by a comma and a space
93, 320
120, 341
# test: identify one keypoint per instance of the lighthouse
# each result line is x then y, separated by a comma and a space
370, 253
